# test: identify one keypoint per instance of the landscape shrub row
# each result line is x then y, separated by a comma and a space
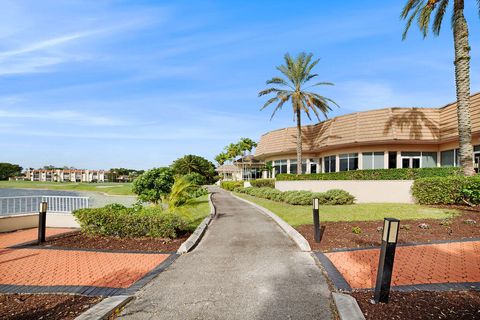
375, 174
231, 185
260, 183
120, 221
447, 190
303, 198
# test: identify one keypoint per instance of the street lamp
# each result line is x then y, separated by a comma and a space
387, 256
316, 219
42, 220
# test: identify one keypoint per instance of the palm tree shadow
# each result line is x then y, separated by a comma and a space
413, 120
314, 136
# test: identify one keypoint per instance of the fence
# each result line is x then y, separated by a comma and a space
30, 204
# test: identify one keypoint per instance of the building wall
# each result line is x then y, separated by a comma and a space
66, 175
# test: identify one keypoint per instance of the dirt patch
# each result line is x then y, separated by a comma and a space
341, 234
422, 305
78, 240
44, 306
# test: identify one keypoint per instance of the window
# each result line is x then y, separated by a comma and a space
280, 166
330, 163
293, 166
373, 160
429, 159
447, 158
348, 161
392, 160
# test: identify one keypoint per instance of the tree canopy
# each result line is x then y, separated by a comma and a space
194, 164
154, 185
8, 170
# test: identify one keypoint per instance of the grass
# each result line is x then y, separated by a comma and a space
108, 188
194, 211
300, 215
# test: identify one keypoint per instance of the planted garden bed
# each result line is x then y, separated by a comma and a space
422, 305
78, 240
44, 306
358, 234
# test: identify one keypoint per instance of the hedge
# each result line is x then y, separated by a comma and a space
303, 198
118, 220
260, 183
447, 190
231, 185
375, 174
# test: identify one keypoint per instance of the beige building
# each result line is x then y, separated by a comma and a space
58, 175
376, 139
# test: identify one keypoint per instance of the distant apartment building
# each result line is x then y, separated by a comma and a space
59, 175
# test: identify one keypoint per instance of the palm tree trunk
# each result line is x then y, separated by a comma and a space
299, 143
462, 79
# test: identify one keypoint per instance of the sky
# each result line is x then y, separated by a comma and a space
101, 84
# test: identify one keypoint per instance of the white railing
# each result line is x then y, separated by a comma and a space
30, 204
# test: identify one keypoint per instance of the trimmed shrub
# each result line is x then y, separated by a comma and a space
120, 221
375, 174
231, 185
302, 197
260, 183
447, 190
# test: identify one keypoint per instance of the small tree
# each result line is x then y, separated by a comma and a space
8, 170
194, 164
154, 185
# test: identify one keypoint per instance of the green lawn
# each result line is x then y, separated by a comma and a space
299, 215
109, 188
195, 211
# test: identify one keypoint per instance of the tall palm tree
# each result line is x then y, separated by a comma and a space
233, 151
221, 158
246, 144
422, 11
298, 73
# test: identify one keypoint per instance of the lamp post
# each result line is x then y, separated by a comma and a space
387, 256
316, 220
42, 219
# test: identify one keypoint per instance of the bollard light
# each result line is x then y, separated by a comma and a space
42, 221
316, 219
43, 206
387, 256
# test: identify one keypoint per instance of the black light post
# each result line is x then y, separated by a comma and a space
316, 220
42, 221
387, 256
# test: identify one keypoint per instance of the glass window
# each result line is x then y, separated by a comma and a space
330, 164
313, 166
476, 148
367, 158
280, 166
447, 158
429, 159
348, 161
293, 166
392, 160
373, 160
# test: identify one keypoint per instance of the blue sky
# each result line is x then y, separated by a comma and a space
101, 84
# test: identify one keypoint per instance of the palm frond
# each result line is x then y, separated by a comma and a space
423, 19
278, 80
279, 106
269, 102
416, 6
437, 22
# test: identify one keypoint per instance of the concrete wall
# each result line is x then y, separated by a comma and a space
26, 221
365, 191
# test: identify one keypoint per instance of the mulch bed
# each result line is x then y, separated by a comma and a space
44, 306
339, 234
78, 240
422, 305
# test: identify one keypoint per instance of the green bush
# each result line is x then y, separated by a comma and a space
447, 190
230, 185
260, 183
302, 197
120, 221
153, 185
375, 174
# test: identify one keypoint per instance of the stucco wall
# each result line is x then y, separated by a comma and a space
26, 221
365, 191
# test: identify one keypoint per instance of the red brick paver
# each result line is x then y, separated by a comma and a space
8, 239
44, 267
421, 264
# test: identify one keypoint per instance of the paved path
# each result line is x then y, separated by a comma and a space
453, 262
244, 268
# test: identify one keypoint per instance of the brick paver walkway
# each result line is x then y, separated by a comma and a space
76, 268
8, 239
455, 262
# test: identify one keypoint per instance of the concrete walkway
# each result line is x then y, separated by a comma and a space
244, 268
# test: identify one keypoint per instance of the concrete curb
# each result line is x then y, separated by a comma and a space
105, 308
301, 242
197, 235
347, 307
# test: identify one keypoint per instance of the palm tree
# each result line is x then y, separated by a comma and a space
422, 11
298, 74
233, 151
246, 144
221, 158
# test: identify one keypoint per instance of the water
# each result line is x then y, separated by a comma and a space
36, 192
